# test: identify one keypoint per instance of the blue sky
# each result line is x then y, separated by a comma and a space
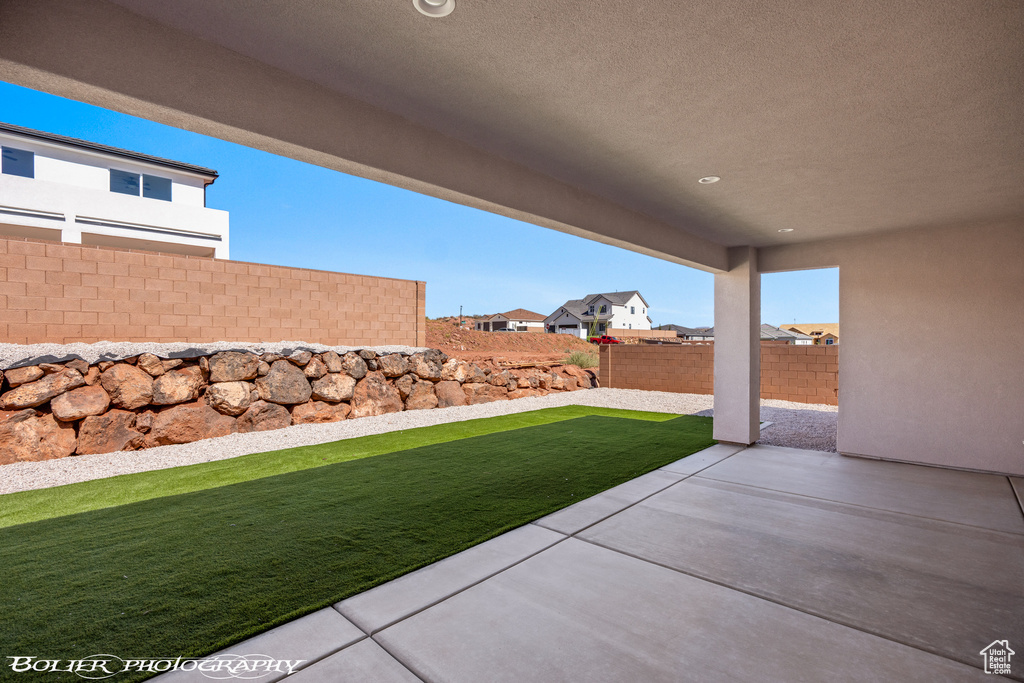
290, 213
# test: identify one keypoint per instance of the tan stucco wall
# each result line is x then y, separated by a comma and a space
932, 367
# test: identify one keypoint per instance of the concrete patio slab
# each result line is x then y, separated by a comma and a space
365, 661
386, 604
703, 459
307, 638
982, 500
580, 515
942, 587
577, 612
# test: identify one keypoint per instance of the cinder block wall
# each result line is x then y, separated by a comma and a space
805, 374
62, 293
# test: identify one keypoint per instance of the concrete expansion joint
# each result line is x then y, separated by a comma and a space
780, 603
865, 510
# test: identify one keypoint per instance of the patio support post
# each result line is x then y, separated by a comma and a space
738, 348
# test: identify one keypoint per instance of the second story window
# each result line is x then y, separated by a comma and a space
632, 310
19, 162
151, 186
123, 182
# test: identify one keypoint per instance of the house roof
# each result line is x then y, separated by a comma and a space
680, 329
617, 298
772, 332
107, 149
808, 328
523, 314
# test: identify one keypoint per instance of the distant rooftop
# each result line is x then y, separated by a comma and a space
106, 149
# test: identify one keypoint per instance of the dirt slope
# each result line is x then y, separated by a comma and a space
445, 334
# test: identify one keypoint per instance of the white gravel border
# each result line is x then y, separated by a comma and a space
790, 422
18, 355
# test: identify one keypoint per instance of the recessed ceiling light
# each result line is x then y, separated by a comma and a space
785, 229
434, 8
708, 179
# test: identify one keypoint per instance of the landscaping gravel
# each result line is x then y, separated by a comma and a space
18, 355
796, 425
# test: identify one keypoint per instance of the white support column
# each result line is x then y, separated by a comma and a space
738, 348
71, 233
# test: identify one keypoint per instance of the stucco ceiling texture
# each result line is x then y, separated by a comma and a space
830, 118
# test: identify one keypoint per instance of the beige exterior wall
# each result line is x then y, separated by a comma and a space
803, 374
933, 325
64, 293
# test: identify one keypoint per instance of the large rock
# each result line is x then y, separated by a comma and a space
129, 387
300, 358
332, 361
424, 368
177, 386
78, 364
110, 432
484, 393
233, 366
230, 398
374, 396
92, 376
39, 392
436, 356
334, 387
449, 393
498, 378
476, 374
262, 417
354, 365
316, 412
315, 368
31, 439
18, 376
284, 384
393, 365
555, 382
422, 396
79, 403
18, 415
526, 393
579, 374
404, 385
187, 423
151, 364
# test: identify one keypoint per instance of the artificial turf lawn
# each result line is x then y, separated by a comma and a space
187, 575
31, 506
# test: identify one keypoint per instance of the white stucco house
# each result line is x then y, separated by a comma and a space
518, 320
612, 310
69, 190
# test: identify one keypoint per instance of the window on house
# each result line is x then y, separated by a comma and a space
156, 187
829, 342
632, 310
604, 308
591, 310
601, 327
19, 162
123, 182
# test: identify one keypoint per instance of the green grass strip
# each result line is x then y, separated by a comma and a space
187, 575
32, 506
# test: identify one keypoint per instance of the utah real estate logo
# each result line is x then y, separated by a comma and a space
997, 657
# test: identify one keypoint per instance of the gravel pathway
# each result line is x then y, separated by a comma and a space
796, 425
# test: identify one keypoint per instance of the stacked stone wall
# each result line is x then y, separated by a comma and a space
54, 410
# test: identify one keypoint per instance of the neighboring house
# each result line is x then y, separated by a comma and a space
64, 189
778, 335
610, 311
518, 320
688, 333
825, 334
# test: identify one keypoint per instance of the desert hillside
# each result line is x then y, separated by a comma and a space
445, 334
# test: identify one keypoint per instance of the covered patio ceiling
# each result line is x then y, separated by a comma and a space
833, 120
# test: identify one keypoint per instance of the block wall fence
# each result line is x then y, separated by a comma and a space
804, 374
52, 292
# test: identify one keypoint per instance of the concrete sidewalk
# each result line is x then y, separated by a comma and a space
759, 564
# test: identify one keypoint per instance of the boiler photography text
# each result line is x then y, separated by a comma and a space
95, 667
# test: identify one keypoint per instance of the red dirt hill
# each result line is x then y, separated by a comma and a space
463, 344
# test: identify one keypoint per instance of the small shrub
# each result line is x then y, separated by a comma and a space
581, 359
